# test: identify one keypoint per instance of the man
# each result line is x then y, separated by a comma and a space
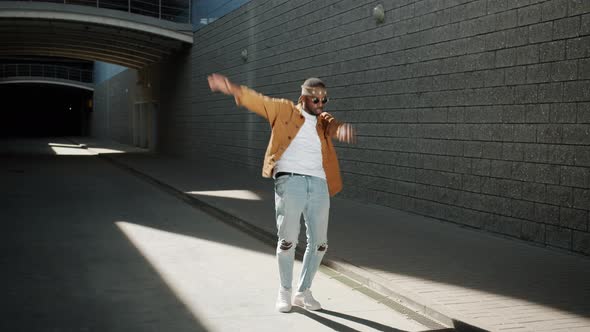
302, 160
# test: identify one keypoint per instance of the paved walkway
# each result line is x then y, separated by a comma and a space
88, 247
445, 271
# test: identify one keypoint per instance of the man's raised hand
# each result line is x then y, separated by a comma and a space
219, 83
346, 133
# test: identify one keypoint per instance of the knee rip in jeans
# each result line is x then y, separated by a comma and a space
323, 247
285, 245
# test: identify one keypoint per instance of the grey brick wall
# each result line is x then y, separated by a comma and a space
475, 112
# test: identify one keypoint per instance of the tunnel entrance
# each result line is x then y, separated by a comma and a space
42, 110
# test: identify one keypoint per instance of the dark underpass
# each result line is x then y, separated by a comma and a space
40, 110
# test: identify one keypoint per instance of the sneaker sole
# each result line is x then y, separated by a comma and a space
285, 310
302, 305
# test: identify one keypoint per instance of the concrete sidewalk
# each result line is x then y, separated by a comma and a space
447, 272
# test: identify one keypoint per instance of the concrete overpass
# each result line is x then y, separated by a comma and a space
47, 80
84, 32
46, 74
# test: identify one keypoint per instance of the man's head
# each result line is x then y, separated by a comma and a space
314, 95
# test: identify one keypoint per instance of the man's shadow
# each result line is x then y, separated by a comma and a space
458, 325
341, 327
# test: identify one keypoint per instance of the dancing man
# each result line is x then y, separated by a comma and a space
302, 160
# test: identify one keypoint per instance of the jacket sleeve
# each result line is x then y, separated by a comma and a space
264, 106
331, 124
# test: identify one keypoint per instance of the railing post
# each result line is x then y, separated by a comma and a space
190, 11
129, 6
160, 9
97, 4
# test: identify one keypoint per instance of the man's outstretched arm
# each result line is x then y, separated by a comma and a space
262, 105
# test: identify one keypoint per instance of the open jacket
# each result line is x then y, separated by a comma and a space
285, 119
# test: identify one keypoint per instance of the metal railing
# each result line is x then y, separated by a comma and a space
46, 71
178, 11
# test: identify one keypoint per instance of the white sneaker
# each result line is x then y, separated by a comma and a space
306, 300
284, 300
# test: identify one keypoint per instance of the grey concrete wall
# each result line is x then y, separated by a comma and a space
475, 112
114, 101
176, 133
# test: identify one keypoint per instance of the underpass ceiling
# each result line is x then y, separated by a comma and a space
87, 39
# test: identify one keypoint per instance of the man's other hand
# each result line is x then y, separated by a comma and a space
346, 133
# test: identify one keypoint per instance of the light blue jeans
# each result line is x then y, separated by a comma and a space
296, 195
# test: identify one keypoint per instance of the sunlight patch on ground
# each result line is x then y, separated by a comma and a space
235, 194
68, 149
76, 146
474, 302
105, 150
180, 260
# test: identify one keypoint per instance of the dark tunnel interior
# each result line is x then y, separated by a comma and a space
43, 110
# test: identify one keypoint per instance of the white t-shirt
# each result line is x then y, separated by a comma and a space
304, 154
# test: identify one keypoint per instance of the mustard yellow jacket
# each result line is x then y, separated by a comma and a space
285, 119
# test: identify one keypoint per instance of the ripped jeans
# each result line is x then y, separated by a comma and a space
296, 195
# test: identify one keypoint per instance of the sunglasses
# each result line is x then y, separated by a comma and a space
316, 100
